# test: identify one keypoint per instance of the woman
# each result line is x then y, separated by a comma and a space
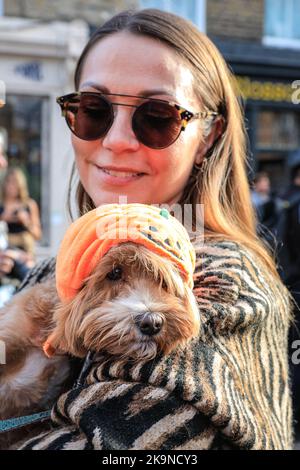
230, 388
19, 211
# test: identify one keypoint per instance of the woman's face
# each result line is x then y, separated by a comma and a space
135, 65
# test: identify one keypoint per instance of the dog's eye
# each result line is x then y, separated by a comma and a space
115, 274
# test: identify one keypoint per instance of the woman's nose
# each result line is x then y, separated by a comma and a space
120, 136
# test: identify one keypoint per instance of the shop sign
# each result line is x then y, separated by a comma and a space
30, 70
268, 91
32, 73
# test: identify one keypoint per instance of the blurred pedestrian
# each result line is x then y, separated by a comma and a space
19, 211
266, 206
287, 233
262, 198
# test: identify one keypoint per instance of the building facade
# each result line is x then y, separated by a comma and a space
94, 12
261, 42
37, 61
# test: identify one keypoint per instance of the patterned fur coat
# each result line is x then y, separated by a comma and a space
229, 389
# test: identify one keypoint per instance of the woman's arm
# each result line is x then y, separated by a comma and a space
41, 272
125, 415
32, 220
35, 228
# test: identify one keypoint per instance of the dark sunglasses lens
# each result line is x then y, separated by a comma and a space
89, 116
157, 125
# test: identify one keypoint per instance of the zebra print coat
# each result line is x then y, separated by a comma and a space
228, 389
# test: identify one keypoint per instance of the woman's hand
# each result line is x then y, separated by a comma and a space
8, 217
16, 216
23, 217
15, 262
7, 262
30, 220
34, 226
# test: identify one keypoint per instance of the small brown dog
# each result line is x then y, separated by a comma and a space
133, 305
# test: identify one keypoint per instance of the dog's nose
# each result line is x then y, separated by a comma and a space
150, 324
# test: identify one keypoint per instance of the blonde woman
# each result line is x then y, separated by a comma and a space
19, 211
155, 118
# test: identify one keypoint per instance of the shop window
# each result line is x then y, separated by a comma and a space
278, 130
277, 136
282, 22
193, 10
23, 121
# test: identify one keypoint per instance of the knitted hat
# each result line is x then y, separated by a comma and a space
90, 237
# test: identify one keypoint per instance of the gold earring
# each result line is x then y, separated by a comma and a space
201, 167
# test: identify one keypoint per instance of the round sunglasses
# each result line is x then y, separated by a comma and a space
156, 123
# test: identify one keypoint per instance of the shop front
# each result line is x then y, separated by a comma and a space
272, 110
269, 84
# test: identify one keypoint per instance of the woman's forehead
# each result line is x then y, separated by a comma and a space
127, 63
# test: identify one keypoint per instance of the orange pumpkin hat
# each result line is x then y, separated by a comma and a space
90, 237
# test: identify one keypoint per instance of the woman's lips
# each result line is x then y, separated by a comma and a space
118, 178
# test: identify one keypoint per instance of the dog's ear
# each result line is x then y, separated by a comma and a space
65, 334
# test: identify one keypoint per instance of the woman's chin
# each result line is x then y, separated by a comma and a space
119, 198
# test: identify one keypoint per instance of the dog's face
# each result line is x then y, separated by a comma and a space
134, 305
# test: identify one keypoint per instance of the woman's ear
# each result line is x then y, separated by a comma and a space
216, 131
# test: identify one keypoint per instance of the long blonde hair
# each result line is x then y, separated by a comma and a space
23, 194
222, 185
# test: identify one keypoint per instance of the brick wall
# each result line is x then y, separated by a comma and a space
240, 19
92, 11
